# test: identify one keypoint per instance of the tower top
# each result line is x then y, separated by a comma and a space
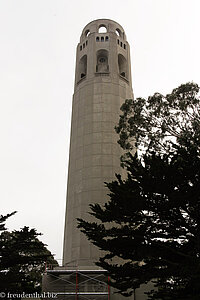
103, 52
103, 26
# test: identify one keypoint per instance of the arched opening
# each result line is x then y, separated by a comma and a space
102, 29
122, 64
118, 32
87, 33
97, 39
102, 39
102, 61
83, 67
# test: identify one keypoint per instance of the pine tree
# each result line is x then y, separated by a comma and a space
22, 260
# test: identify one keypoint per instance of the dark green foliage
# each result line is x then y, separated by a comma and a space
3, 219
152, 224
22, 260
160, 123
150, 227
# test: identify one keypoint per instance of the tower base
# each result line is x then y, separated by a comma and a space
84, 284
77, 284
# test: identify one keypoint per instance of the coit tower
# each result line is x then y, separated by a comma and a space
102, 83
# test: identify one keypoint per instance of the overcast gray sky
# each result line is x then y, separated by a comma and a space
38, 40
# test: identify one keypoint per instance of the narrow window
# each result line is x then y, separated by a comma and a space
120, 44
80, 48
124, 46
102, 39
106, 38
102, 61
122, 65
84, 45
97, 39
87, 43
82, 67
117, 41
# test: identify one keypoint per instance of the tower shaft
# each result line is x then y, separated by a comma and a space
102, 83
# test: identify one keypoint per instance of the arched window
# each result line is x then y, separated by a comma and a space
118, 32
102, 39
97, 39
83, 67
102, 61
87, 33
106, 38
80, 48
122, 64
102, 29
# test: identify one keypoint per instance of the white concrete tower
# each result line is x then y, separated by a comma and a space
102, 83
